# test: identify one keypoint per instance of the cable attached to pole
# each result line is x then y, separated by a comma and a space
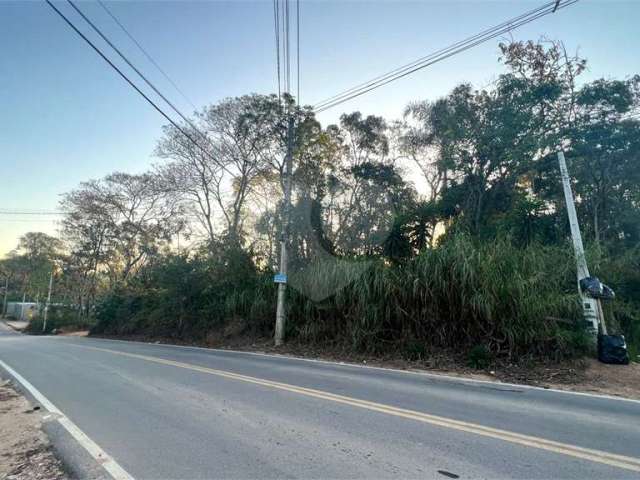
439, 55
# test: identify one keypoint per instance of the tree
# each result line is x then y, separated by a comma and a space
606, 153
484, 144
193, 175
33, 260
114, 224
417, 143
242, 143
39, 247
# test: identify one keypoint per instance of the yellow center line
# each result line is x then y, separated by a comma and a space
598, 456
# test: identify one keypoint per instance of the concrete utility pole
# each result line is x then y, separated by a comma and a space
281, 278
6, 292
590, 306
46, 305
24, 297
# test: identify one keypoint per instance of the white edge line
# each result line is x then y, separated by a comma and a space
109, 464
371, 367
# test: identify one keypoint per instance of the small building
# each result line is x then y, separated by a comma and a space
22, 310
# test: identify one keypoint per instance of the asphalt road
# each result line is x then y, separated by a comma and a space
178, 412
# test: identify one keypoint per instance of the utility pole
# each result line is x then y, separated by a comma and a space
281, 278
24, 297
590, 306
46, 305
6, 292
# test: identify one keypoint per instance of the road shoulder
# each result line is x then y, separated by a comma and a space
25, 450
586, 376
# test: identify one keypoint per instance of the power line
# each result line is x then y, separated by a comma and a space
439, 55
26, 220
276, 25
287, 47
29, 212
143, 95
429, 56
298, 48
146, 54
283, 34
282, 15
128, 62
112, 65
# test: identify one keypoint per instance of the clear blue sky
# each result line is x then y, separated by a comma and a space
66, 117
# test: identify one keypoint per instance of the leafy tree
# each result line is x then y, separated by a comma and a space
113, 226
606, 154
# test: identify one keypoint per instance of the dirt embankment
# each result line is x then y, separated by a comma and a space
25, 452
616, 380
584, 375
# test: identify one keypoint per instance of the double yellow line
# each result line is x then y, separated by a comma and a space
598, 456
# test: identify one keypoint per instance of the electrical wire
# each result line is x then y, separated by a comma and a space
146, 54
29, 212
276, 25
439, 55
288, 46
28, 220
298, 49
133, 67
449, 51
142, 94
120, 72
429, 56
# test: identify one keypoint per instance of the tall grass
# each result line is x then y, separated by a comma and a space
455, 296
459, 295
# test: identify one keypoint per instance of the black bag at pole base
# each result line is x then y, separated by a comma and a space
593, 287
612, 349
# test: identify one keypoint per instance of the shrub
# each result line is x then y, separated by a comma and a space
60, 317
479, 357
457, 295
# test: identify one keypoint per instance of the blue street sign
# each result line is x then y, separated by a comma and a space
280, 278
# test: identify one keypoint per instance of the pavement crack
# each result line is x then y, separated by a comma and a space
448, 474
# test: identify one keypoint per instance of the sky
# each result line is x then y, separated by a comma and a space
66, 117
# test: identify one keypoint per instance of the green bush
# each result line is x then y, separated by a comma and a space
60, 318
187, 297
479, 357
456, 296
621, 271
415, 351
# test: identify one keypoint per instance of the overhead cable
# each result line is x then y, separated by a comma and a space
440, 55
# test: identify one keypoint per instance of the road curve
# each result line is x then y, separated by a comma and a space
177, 412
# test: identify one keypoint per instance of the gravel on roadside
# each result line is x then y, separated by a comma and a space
25, 451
